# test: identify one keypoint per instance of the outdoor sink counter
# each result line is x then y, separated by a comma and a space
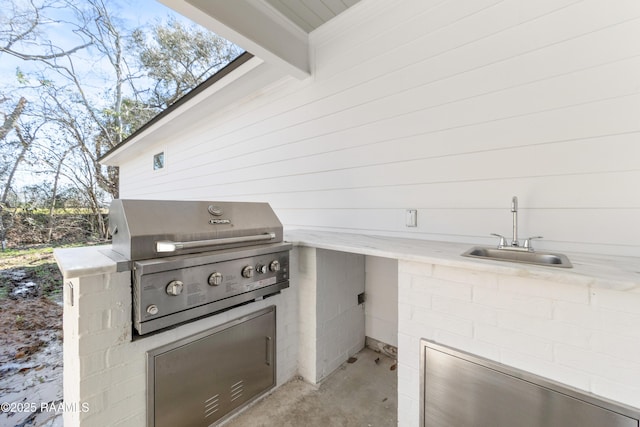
614, 272
603, 271
577, 326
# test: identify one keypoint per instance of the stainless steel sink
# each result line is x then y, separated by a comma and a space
521, 256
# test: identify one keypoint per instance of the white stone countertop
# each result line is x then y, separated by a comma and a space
603, 271
85, 261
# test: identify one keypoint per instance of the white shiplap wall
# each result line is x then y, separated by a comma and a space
448, 107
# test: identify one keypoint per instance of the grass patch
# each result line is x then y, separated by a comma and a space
33, 264
11, 253
16, 256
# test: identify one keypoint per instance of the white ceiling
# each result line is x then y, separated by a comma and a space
276, 31
310, 14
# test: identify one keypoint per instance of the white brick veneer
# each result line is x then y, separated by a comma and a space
105, 369
332, 324
588, 338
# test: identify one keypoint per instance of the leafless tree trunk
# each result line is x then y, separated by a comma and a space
11, 120
12, 173
25, 145
94, 25
54, 191
81, 123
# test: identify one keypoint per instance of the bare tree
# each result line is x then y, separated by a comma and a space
12, 155
22, 24
70, 103
8, 165
26, 141
11, 119
93, 88
56, 160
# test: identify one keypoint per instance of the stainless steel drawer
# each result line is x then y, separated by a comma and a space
199, 380
459, 389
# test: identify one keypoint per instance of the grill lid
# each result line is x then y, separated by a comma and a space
144, 229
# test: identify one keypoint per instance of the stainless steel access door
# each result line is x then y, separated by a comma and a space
199, 380
459, 389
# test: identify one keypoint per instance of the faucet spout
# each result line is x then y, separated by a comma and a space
515, 244
514, 210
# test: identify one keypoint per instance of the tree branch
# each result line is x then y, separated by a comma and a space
12, 119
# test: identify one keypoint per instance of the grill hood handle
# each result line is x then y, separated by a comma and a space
165, 246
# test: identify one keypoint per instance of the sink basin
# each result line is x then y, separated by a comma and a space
537, 258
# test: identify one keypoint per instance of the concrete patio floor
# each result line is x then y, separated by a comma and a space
362, 394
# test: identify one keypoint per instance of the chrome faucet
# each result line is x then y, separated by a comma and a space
515, 244
514, 210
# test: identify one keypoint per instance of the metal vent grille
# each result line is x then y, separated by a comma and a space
237, 390
211, 405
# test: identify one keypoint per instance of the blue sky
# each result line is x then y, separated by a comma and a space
142, 11
134, 13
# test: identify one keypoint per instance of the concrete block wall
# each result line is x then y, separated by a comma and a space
331, 320
581, 336
107, 370
381, 307
307, 278
339, 317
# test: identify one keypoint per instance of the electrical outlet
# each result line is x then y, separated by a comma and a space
411, 218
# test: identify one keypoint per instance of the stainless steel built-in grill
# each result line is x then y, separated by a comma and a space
194, 258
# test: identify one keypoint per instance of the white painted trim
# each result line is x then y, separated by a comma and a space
280, 19
255, 30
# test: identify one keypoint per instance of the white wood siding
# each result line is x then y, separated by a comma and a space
448, 107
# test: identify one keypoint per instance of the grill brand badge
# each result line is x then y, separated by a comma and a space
217, 211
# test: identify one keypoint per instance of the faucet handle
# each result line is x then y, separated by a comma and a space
527, 242
503, 240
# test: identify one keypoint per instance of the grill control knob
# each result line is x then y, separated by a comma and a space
247, 272
175, 287
152, 309
274, 266
260, 268
215, 279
